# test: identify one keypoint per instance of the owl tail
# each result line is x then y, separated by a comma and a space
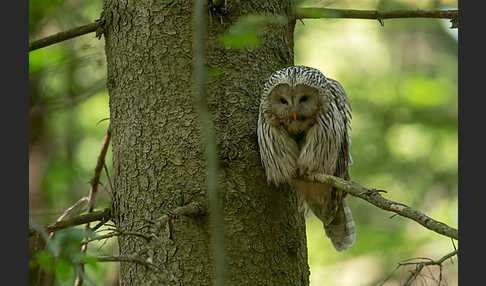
341, 229
332, 210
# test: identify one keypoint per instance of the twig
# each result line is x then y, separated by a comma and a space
121, 258
118, 233
75, 209
216, 216
63, 36
109, 179
191, 209
78, 220
420, 265
430, 261
92, 193
99, 167
373, 197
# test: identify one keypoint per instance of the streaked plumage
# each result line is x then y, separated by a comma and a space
303, 129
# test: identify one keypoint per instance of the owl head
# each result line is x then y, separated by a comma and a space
293, 98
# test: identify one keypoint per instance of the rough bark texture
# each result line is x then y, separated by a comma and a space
158, 153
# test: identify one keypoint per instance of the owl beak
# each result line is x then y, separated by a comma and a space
294, 116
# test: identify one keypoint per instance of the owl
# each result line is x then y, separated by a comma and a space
303, 129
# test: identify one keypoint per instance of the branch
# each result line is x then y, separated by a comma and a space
216, 215
118, 233
92, 193
191, 209
420, 265
318, 13
372, 196
74, 210
99, 167
121, 258
430, 261
65, 35
78, 220
301, 13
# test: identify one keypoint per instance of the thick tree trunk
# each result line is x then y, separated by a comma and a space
158, 153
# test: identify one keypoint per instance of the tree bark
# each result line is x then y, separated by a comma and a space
158, 154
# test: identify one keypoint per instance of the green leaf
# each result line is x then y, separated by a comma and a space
67, 243
64, 269
45, 261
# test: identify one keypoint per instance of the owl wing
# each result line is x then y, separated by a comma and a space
278, 152
326, 149
341, 230
342, 105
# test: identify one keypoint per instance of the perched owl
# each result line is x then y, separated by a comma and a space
303, 128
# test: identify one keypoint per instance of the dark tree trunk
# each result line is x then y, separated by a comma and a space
158, 154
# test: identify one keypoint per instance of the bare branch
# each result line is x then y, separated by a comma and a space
121, 258
74, 210
300, 13
318, 13
118, 233
109, 179
99, 167
372, 196
420, 265
78, 220
92, 193
63, 36
430, 261
191, 209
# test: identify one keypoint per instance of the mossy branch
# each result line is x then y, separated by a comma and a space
372, 196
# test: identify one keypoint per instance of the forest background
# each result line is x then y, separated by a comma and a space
401, 80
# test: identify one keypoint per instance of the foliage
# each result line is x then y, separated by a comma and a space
63, 253
401, 80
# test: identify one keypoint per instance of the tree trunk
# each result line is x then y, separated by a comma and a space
158, 154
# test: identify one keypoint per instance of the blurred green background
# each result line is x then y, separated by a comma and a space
401, 80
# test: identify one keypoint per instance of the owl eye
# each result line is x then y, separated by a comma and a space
303, 98
283, 101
